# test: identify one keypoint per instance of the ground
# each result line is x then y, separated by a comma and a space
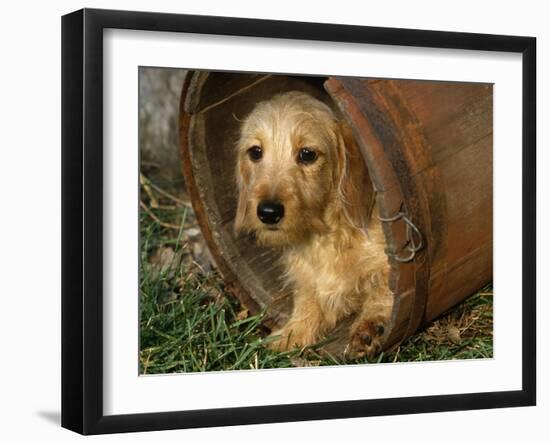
188, 322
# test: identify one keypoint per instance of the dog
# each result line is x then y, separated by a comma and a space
303, 187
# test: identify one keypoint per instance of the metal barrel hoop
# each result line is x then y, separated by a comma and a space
415, 239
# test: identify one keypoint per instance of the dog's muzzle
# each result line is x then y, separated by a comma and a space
270, 212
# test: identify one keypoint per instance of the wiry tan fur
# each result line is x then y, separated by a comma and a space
332, 251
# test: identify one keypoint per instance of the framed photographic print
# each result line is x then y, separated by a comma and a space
270, 221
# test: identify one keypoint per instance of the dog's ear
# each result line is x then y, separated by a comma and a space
355, 189
242, 199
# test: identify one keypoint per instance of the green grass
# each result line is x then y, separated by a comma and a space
188, 323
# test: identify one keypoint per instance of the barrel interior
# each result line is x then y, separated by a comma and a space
215, 103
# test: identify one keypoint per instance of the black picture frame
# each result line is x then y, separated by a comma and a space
82, 218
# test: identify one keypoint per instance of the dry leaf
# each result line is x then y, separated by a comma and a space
454, 334
163, 258
242, 314
300, 362
192, 233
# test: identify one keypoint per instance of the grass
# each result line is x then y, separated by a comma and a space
188, 323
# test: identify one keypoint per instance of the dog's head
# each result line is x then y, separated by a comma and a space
298, 172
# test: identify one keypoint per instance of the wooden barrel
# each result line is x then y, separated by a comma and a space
428, 149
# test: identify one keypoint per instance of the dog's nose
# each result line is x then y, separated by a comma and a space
270, 212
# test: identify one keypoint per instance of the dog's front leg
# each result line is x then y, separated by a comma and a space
305, 326
369, 331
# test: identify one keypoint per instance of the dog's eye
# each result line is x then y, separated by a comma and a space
255, 153
307, 155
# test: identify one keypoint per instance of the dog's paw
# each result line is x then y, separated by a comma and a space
278, 341
289, 337
367, 337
